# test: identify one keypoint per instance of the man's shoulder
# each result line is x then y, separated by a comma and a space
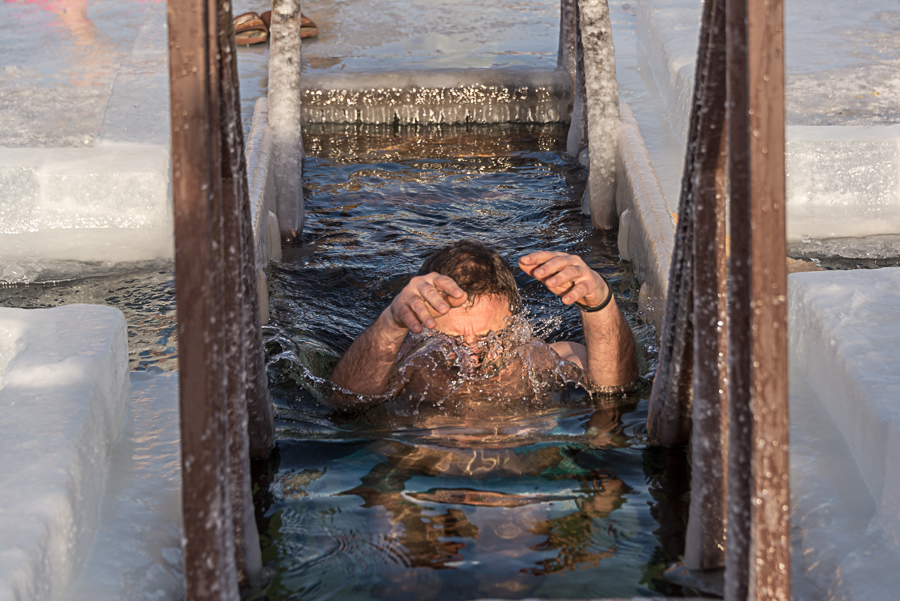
571, 351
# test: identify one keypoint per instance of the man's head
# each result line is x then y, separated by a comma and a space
478, 269
492, 294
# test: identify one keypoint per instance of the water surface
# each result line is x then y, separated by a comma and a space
563, 499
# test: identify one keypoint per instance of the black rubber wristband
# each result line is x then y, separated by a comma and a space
599, 307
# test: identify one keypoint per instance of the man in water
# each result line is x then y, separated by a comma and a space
467, 292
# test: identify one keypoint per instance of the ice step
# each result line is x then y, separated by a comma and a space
63, 391
76, 209
843, 181
845, 339
109, 203
136, 552
449, 96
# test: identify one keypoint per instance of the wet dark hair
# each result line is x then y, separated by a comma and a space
476, 268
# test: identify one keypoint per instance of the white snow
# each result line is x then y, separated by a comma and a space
105, 204
84, 139
63, 391
646, 227
843, 180
366, 36
261, 188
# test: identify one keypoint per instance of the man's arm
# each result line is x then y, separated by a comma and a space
608, 357
366, 366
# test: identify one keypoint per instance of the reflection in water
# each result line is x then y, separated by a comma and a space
549, 532
553, 505
454, 490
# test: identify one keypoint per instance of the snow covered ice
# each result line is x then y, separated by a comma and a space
844, 329
84, 139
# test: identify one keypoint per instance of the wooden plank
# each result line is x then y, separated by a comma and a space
670, 410
218, 335
740, 360
705, 540
770, 535
195, 177
758, 552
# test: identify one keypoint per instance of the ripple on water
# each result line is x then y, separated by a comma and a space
557, 497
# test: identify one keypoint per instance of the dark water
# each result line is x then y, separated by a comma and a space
146, 296
566, 501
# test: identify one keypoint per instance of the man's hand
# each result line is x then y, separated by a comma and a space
366, 366
424, 298
566, 276
608, 356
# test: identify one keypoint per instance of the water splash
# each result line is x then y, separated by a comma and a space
503, 372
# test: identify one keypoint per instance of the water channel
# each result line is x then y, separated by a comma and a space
561, 501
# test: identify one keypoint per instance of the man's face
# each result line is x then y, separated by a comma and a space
487, 314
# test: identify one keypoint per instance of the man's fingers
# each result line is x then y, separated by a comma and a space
544, 263
441, 293
565, 275
435, 298
553, 266
536, 258
408, 317
569, 273
531, 261
448, 286
422, 312
575, 294
570, 290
